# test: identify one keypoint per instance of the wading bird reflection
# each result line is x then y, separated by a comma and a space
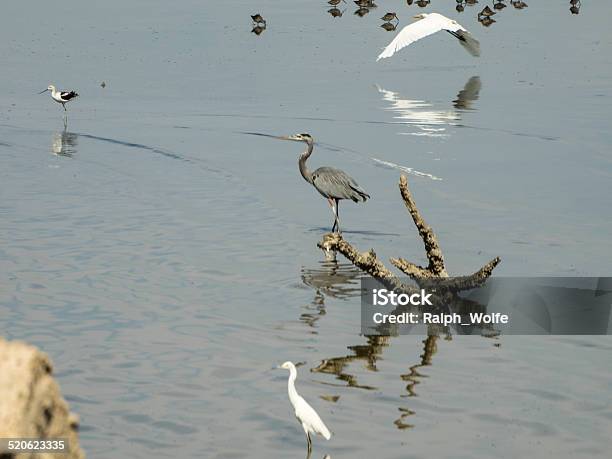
61, 97
330, 182
389, 27
64, 143
306, 415
429, 24
258, 29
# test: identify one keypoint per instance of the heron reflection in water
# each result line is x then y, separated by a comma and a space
329, 279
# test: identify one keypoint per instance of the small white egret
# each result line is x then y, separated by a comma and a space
60, 96
427, 25
308, 417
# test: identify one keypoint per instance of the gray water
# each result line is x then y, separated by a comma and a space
166, 260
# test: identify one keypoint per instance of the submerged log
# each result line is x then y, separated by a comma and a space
31, 405
435, 270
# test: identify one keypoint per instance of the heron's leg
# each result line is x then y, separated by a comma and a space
331, 204
338, 215
64, 105
309, 442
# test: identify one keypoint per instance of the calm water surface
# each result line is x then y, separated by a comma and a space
166, 260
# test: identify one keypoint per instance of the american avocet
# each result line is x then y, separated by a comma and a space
60, 96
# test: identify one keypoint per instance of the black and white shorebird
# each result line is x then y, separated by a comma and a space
60, 96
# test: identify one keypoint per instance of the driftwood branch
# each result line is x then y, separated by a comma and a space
436, 269
432, 248
366, 261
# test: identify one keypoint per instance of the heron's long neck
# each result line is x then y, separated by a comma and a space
303, 168
293, 395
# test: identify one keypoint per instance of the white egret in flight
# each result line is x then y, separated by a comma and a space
427, 25
308, 417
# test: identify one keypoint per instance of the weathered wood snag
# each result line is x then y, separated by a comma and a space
422, 276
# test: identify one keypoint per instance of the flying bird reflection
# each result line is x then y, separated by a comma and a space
421, 114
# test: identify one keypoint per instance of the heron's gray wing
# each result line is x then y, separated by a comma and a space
337, 184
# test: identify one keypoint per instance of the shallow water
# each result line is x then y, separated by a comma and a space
166, 260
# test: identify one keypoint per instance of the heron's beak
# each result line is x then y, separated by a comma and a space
43, 91
290, 137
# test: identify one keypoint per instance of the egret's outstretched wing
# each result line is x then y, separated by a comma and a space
470, 44
431, 24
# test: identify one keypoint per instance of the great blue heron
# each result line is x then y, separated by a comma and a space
60, 96
427, 25
332, 183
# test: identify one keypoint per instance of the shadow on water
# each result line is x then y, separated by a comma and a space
140, 146
326, 229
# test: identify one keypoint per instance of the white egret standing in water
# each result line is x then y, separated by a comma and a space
428, 25
308, 417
